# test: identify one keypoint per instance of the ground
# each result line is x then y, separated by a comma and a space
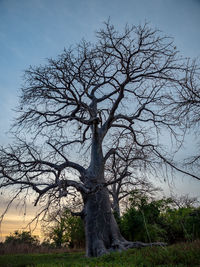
184, 254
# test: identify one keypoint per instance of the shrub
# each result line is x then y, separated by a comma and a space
159, 220
23, 237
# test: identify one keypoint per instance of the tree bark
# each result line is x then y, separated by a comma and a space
101, 229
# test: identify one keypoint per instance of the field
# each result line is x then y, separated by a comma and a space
183, 254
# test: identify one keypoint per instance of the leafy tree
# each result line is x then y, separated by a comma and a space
57, 233
66, 230
75, 232
143, 219
24, 237
72, 107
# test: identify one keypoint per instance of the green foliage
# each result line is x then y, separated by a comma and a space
23, 237
159, 220
142, 220
57, 233
48, 244
68, 230
74, 234
185, 254
182, 224
146, 220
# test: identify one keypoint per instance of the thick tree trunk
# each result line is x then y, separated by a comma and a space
101, 229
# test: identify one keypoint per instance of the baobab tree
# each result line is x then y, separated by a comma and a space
74, 105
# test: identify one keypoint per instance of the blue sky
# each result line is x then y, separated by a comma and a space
33, 30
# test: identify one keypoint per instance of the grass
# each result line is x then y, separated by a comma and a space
184, 254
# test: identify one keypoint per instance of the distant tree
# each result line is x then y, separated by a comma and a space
139, 164
57, 231
24, 237
184, 201
72, 107
65, 229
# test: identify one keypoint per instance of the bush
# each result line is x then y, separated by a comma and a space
143, 225
159, 220
182, 224
23, 237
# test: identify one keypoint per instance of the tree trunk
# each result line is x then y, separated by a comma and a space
115, 206
101, 229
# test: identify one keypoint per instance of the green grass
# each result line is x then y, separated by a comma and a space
185, 254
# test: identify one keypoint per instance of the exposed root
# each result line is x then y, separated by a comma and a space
124, 245
99, 249
139, 244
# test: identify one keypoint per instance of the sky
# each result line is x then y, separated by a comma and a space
33, 30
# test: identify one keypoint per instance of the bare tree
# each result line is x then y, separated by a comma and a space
141, 165
75, 104
184, 201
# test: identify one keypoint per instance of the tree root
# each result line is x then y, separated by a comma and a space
124, 245
139, 244
119, 245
